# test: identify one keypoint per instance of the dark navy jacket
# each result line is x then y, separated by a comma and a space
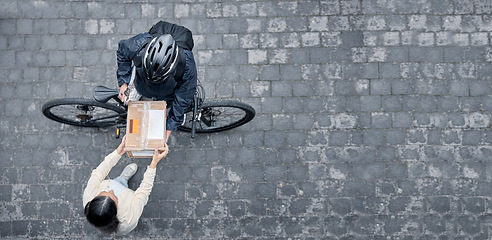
177, 92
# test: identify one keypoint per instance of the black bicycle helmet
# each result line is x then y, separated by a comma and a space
160, 58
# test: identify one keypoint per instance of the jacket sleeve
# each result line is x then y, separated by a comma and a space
127, 50
183, 94
124, 64
98, 175
141, 195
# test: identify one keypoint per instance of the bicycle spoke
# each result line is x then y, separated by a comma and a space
220, 116
216, 116
83, 112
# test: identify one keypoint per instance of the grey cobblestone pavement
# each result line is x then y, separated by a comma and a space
373, 119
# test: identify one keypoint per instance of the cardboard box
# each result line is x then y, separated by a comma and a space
145, 128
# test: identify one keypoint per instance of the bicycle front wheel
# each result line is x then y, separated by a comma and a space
216, 116
84, 112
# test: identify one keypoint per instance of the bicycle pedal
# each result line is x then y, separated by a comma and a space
206, 121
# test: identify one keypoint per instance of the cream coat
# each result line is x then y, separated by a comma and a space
130, 203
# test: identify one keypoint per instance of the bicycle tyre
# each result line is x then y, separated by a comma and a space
80, 111
245, 114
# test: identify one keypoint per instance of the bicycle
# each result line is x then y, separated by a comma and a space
201, 117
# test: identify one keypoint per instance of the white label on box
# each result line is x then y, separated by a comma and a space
143, 153
156, 124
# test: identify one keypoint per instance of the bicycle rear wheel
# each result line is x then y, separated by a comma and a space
216, 116
84, 112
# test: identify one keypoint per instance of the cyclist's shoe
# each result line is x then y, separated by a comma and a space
129, 171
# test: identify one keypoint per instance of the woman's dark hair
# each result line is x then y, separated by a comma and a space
101, 212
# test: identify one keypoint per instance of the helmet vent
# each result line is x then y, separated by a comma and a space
168, 48
153, 54
170, 58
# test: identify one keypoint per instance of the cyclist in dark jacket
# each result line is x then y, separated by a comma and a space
165, 68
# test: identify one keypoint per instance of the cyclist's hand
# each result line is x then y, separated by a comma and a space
121, 148
158, 155
168, 133
121, 95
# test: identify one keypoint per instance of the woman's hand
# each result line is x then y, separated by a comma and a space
158, 155
121, 148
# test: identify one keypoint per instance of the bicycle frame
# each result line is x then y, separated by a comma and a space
195, 105
200, 116
123, 115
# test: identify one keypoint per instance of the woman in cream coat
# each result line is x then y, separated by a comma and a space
110, 205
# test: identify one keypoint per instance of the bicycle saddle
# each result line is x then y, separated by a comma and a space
103, 94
